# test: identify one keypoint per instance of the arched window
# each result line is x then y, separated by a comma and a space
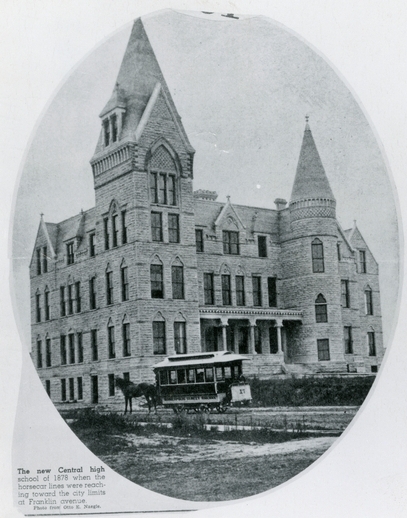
159, 338
317, 252
48, 362
163, 174
180, 335
124, 277
157, 279
109, 286
111, 342
39, 352
38, 306
177, 277
46, 304
321, 311
368, 301
126, 337
371, 342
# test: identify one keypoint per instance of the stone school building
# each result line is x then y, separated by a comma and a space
156, 269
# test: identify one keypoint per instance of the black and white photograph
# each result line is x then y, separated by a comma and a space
206, 257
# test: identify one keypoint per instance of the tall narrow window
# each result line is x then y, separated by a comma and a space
44, 260
106, 233
115, 231
38, 261
126, 339
125, 283
48, 387
48, 352
71, 342
345, 299
111, 342
156, 226
257, 293
92, 293
209, 292
70, 299
226, 290
371, 343
323, 349
230, 242
177, 273
272, 291
173, 228
162, 189
124, 228
106, 131
71, 389
111, 385
70, 256
80, 347
92, 244
38, 307
348, 342
321, 310
317, 252
172, 196
39, 354
78, 296
80, 388
368, 301
240, 292
109, 288
113, 120
262, 246
153, 188
159, 337
63, 389
199, 240
362, 261
46, 304
62, 300
63, 349
257, 340
338, 250
180, 338
94, 344
157, 281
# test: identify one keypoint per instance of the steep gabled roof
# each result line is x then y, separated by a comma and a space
310, 180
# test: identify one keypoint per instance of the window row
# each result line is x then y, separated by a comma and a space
41, 260
157, 233
199, 375
114, 232
240, 290
323, 344
68, 390
231, 244
321, 308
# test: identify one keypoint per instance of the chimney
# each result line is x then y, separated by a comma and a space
280, 203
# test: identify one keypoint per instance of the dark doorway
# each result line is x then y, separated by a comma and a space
243, 340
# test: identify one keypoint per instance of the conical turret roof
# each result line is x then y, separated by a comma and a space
310, 180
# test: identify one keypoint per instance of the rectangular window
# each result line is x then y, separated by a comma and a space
125, 283
38, 307
113, 120
180, 338
371, 340
156, 226
257, 340
157, 281
257, 294
106, 233
47, 306
153, 188
70, 257
80, 347
38, 252
126, 339
106, 131
111, 342
111, 385
177, 273
70, 299
323, 349
92, 293
369, 302
173, 228
345, 299
162, 188
159, 337
226, 290
172, 196
262, 246
92, 244
44, 260
240, 292
80, 388
209, 293
63, 349
71, 340
48, 352
317, 251
348, 342
62, 300
362, 261
63, 389
109, 288
39, 354
48, 387
199, 240
272, 291
94, 344
115, 231
126, 376
124, 228
230, 242
71, 389
78, 296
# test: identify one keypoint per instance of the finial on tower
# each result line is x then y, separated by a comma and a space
228, 198
307, 118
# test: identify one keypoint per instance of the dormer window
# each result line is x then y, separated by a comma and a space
113, 120
70, 257
106, 131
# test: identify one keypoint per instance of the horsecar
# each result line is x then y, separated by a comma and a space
202, 382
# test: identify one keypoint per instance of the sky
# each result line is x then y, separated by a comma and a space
243, 88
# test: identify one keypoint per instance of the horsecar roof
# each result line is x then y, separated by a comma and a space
217, 357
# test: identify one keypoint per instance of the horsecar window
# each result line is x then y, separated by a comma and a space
181, 376
209, 374
163, 378
200, 376
191, 375
228, 373
235, 371
219, 373
173, 377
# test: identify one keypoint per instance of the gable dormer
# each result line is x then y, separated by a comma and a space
230, 229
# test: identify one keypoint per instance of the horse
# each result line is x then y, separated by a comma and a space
131, 390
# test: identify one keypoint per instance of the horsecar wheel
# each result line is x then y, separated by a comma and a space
204, 409
221, 408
